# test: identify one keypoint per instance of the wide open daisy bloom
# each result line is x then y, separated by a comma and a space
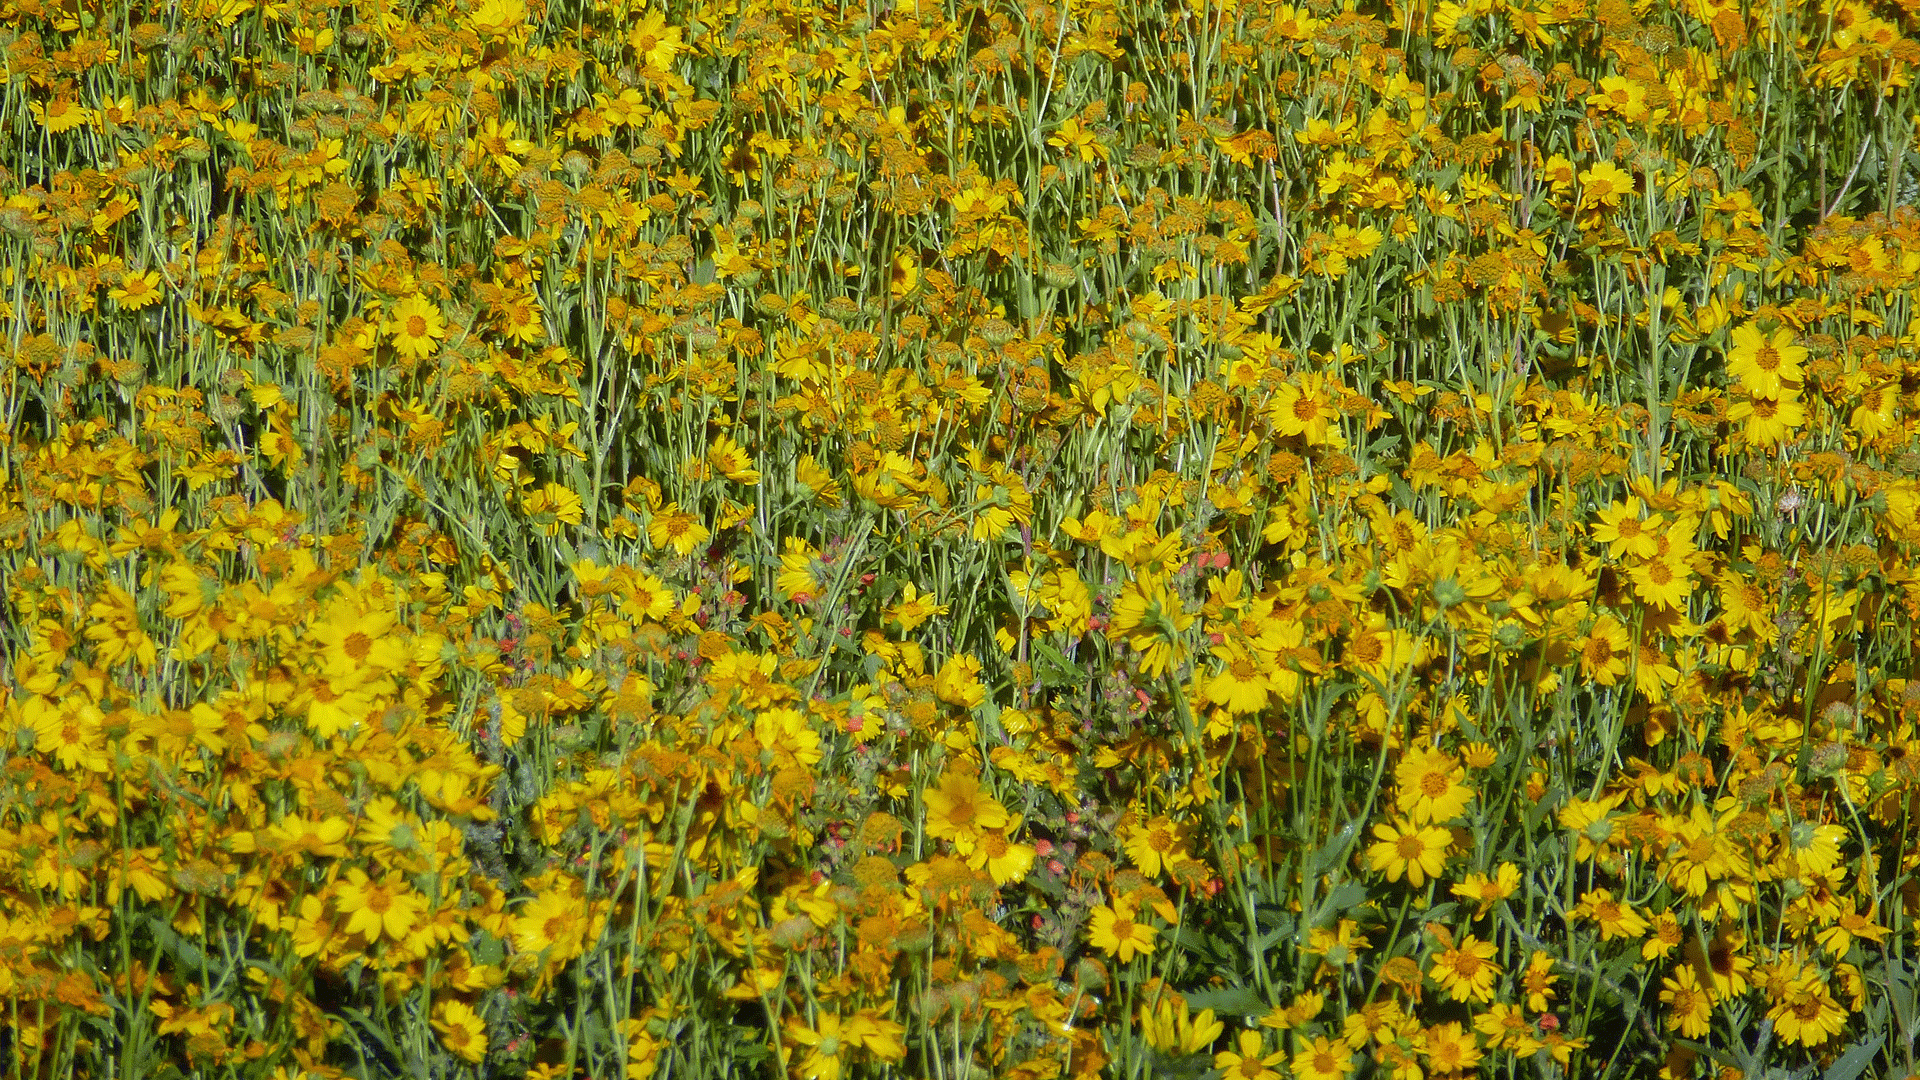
415, 326
1765, 364
1430, 786
1409, 850
960, 811
1113, 931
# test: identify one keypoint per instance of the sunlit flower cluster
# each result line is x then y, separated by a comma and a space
620, 538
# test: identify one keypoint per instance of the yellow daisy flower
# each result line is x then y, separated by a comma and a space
415, 327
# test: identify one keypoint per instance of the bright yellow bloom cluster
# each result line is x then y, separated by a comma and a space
1044, 540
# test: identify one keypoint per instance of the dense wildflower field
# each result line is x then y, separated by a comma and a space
959, 538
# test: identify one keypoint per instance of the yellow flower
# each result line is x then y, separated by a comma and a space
731, 461
1617, 918
388, 907
802, 577
1113, 931
1152, 620
116, 632
1429, 786
1698, 853
1667, 935
60, 114
554, 923
958, 810
415, 327
1155, 845
1304, 1007
1379, 648
1765, 365
1624, 533
315, 930
1603, 653
1689, 1007
879, 1037
1404, 848
672, 527
358, 644
1604, 185
1662, 581
136, 290
1769, 420
498, 19
461, 1029
1621, 96
1450, 1049
1306, 410
958, 682
387, 829
1242, 685
1005, 861
1489, 890
1807, 1011
1322, 1058
1171, 1029
1467, 971
1247, 1063
1073, 138
1538, 981
1506, 1027
817, 480
552, 506
70, 730
335, 704
827, 1045
655, 41
913, 608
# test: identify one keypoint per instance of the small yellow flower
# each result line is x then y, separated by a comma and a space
958, 810
374, 909
136, 290
1467, 970
415, 327
675, 528
552, 506
1074, 139
1113, 931
1429, 786
1765, 364
498, 19
1404, 848
1321, 1058
1604, 185
655, 41
1248, 1063
461, 1030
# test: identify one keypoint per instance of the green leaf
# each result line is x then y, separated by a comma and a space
1344, 897
184, 952
1231, 1001
1855, 1061
1333, 850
